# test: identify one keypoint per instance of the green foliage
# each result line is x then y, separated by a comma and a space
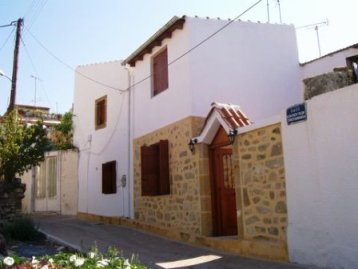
62, 135
22, 229
21, 146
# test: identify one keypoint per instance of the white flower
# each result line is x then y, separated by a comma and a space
45, 267
102, 263
50, 260
92, 254
73, 258
34, 261
9, 261
126, 264
79, 262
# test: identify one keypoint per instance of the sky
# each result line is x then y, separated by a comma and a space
59, 35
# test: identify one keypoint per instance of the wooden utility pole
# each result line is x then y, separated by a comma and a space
15, 65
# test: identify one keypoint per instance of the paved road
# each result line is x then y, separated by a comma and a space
153, 251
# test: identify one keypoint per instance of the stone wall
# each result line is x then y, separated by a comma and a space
11, 194
181, 209
341, 77
260, 184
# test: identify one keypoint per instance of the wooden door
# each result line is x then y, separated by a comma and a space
224, 192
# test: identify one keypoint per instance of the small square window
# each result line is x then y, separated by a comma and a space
101, 113
160, 72
109, 178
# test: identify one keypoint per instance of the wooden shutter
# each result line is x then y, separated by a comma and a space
101, 112
164, 187
160, 72
109, 177
155, 169
150, 170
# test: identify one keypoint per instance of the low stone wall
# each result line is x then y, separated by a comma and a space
11, 194
341, 77
260, 182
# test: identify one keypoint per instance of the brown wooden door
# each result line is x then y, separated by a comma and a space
224, 193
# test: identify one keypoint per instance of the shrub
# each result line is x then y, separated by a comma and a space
22, 229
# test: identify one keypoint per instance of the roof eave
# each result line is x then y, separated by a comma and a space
155, 40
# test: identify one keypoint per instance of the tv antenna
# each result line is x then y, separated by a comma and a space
316, 26
268, 10
35, 79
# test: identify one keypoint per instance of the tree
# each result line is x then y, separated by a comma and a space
21, 146
62, 135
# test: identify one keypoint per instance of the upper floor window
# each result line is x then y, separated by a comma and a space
160, 72
101, 112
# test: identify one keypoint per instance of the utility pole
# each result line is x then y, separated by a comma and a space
15, 65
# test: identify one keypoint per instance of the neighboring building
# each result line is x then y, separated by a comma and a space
31, 114
132, 128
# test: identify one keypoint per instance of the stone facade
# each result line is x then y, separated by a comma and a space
341, 77
260, 184
181, 209
11, 194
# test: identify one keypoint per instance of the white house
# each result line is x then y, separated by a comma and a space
176, 74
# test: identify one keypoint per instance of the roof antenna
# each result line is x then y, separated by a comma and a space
268, 10
316, 26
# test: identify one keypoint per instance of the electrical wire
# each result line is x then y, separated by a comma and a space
150, 75
34, 69
7, 39
70, 67
200, 43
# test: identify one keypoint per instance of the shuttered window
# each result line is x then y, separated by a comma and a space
101, 112
160, 72
155, 169
109, 178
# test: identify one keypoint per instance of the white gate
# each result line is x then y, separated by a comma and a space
47, 185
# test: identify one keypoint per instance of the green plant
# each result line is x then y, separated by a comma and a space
22, 229
62, 135
21, 146
93, 259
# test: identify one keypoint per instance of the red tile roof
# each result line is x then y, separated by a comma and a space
231, 114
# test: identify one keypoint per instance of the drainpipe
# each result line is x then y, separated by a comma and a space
129, 180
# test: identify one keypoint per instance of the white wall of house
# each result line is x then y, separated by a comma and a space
321, 157
250, 64
103, 145
326, 63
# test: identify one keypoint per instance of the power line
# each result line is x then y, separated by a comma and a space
202, 42
7, 39
150, 75
70, 67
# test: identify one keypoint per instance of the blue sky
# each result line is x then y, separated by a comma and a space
80, 32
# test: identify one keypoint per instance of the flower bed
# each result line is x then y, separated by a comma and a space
93, 259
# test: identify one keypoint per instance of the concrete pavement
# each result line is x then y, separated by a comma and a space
153, 250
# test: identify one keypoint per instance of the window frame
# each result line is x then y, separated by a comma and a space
160, 80
103, 123
109, 177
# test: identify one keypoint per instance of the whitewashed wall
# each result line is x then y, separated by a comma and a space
99, 146
321, 163
326, 63
249, 64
